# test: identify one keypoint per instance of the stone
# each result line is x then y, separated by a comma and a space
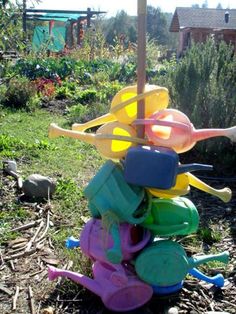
172, 310
37, 186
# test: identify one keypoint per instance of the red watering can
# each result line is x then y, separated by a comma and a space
172, 128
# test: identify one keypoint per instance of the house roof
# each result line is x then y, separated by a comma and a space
202, 18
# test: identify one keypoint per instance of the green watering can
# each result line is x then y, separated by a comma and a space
168, 217
108, 191
115, 201
165, 263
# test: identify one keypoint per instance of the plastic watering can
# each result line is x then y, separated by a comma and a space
165, 263
108, 191
169, 217
217, 280
156, 167
182, 187
124, 103
172, 128
124, 106
108, 117
96, 243
119, 289
111, 140
224, 194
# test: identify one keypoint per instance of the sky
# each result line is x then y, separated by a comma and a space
130, 6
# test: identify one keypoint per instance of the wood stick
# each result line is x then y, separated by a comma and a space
5, 289
31, 299
21, 254
28, 246
46, 228
27, 226
141, 71
15, 297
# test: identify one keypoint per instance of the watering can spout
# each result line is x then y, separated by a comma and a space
85, 281
193, 167
95, 122
202, 134
56, 131
198, 260
217, 280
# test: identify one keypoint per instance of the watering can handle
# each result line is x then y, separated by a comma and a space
174, 124
193, 167
170, 228
135, 248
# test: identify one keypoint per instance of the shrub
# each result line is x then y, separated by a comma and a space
18, 93
203, 85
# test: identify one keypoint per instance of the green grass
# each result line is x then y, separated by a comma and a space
24, 137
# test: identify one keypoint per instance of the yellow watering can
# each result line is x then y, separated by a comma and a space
182, 187
124, 106
112, 140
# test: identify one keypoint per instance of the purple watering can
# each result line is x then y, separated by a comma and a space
97, 243
119, 289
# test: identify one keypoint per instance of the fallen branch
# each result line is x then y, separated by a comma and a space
31, 299
46, 228
15, 297
6, 290
28, 246
22, 254
27, 226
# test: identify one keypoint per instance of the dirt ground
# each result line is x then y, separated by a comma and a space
24, 287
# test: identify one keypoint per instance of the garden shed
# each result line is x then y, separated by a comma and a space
197, 24
57, 29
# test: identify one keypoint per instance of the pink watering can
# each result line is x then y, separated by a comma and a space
98, 244
172, 128
119, 289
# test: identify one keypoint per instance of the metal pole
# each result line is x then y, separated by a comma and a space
141, 71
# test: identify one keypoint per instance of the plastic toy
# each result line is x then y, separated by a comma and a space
181, 136
169, 217
109, 191
217, 280
136, 201
96, 243
112, 139
157, 167
165, 263
124, 106
182, 187
119, 289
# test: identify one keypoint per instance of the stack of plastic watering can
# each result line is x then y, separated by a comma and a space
136, 202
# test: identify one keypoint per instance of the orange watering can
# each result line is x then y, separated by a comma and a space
124, 106
112, 139
172, 128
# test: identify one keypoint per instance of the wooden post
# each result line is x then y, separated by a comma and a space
89, 15
141, 71
24, 18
